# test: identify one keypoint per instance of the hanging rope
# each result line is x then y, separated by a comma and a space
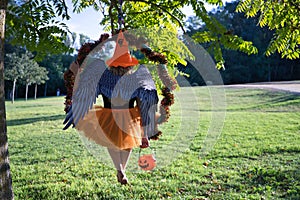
120, 15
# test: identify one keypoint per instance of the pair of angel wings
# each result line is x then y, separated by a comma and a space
85, 91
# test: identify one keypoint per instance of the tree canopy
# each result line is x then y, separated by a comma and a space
14, 71
239, 67
35, 25
281, 16
32, 72
14, 67
167, 15
38, 22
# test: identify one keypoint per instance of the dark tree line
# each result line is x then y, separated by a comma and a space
55, 65
240, 67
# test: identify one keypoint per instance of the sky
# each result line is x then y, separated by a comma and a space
87, 22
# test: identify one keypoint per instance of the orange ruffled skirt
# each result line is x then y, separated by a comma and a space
113, 128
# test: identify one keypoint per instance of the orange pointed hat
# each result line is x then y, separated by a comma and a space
121, 55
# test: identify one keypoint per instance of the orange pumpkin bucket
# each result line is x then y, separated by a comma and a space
146, 162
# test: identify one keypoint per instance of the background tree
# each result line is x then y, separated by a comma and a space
32, 71
39, 77
11, 49
239, 67
56, 65
281, 16
14, 71
6, 191
217, 36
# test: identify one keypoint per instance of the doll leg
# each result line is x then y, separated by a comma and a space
116, 158
125, 154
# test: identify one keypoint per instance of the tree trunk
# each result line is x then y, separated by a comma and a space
292, 72
26, 92
16, 94
269, 72
45, 91
6, 192
35, 91
275, 72
13, 91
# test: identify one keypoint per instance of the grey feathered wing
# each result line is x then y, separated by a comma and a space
85, 92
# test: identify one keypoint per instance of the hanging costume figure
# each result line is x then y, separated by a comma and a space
128, 117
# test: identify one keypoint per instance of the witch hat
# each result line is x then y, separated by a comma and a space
122, 57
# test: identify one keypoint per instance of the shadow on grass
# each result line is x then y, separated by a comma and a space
267, 101
263, 180
278, 181
255, 156
279, 97
17, 122
271, 100
32, 106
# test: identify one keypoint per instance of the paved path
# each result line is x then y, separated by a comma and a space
290, 86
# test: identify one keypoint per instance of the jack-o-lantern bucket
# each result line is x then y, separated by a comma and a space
147, 162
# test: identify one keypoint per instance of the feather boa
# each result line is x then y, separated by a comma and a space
69, 76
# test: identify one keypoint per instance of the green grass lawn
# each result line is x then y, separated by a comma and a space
257, 155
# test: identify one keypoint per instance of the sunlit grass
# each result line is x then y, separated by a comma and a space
256, 156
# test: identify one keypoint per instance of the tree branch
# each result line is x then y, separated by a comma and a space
102, 8
134, 13
111, 16
66, 9
163, 9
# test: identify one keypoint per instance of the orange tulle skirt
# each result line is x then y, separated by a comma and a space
113, 128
